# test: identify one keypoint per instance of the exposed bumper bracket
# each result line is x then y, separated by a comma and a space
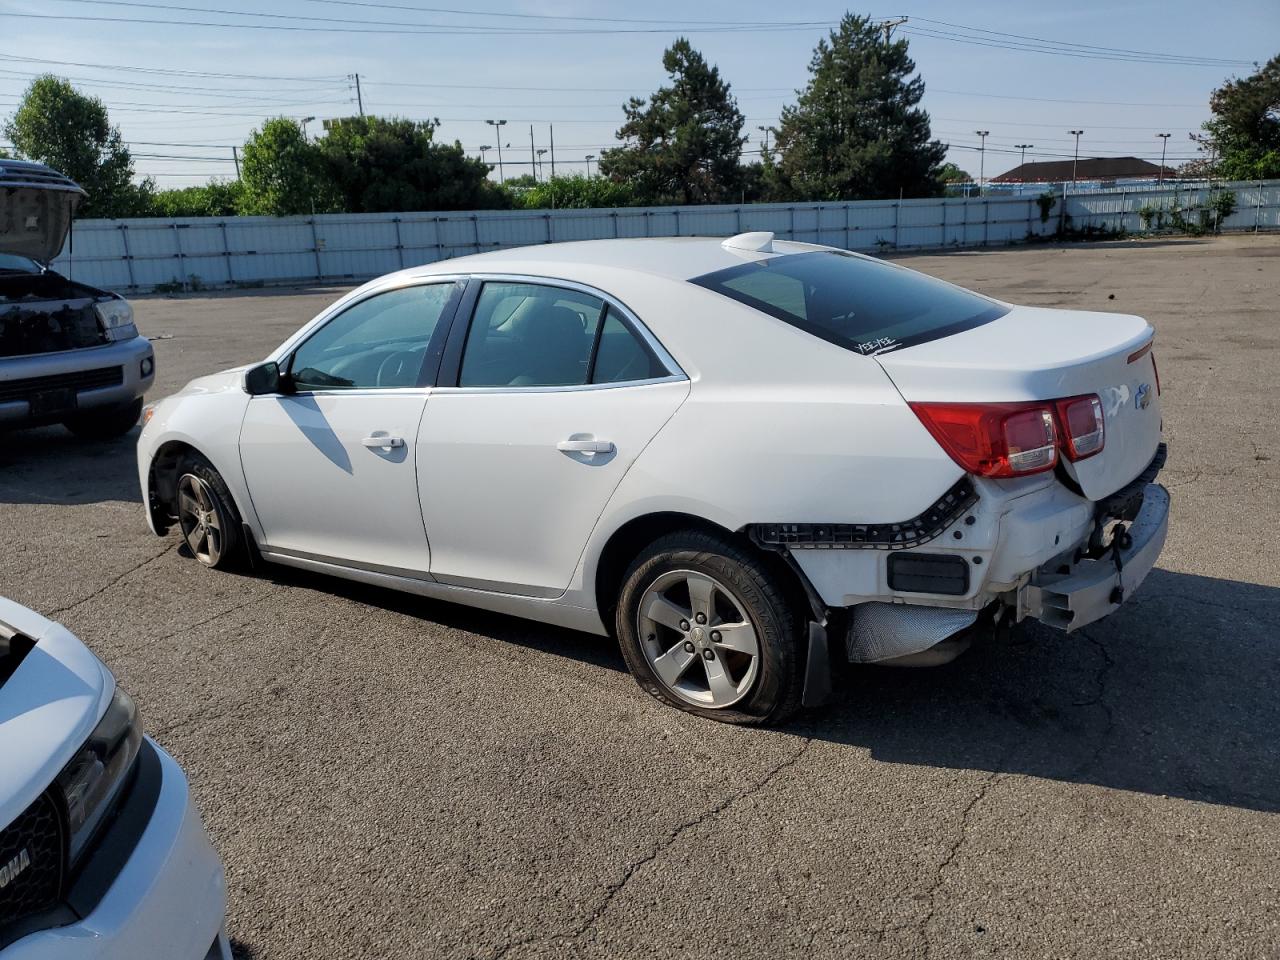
1094, 588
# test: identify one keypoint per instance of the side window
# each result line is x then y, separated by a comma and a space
622, 356
530, 335
378, 342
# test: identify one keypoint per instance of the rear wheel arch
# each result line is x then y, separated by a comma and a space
629, 540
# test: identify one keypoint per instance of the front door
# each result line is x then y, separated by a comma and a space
556, 396
330, 463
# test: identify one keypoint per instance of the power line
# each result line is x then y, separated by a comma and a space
170, 72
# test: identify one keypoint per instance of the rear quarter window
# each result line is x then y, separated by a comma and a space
858, 303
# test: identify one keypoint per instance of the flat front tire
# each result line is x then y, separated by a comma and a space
207, 515
707, 627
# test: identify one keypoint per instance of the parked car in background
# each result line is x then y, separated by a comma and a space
102, 853
69, 353
733, 456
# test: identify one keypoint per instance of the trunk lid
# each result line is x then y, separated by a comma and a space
36, 207
1035, 353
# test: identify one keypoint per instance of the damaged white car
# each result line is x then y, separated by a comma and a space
69, 353
741, 458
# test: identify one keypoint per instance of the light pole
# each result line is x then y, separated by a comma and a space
982, 160
483, 150
765, 131
590, 157
538, 170
1076, 159
1022, 162
1164, 145
305, 121
497, 125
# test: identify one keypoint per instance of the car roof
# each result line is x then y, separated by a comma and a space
675, 258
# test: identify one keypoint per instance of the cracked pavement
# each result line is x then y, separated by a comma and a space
391, 777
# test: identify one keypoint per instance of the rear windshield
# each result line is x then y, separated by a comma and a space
855, 302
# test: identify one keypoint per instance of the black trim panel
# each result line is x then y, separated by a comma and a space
941, 573
872, 536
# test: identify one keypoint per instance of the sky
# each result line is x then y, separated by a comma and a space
183, 93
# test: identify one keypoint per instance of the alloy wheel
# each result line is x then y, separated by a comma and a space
198, 517
698, 639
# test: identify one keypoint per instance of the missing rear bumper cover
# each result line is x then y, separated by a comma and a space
872, 536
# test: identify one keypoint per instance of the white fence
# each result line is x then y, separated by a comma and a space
209, 252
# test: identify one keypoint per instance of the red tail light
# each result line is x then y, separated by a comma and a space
1083, 427
994, 439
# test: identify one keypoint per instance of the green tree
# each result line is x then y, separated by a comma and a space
951, 173
1245, 127
216, 198
575, 192
283, 173
683, 144
56, 124
857, 131
381, 164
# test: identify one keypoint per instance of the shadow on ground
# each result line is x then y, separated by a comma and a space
49, 465
1174, 695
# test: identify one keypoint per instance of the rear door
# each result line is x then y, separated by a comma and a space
546, 398
330, 463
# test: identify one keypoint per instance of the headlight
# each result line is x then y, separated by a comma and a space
92, 780
116, 319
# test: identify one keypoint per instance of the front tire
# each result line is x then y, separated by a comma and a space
105, 424
207, 515
705, 626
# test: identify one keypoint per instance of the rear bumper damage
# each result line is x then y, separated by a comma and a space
1071, 594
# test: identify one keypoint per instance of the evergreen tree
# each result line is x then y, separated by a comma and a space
857, 131
683, 144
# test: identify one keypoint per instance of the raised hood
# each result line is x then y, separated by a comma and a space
48, 706
1034, 353
36, 207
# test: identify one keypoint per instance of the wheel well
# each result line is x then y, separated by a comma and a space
634, 535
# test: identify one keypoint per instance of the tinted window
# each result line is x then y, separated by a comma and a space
530, 335
622, 356
378, 342
859, 303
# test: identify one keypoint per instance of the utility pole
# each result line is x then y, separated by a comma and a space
359, 98
485, 148
1076, 159
1164, 145
590, 157
305, 121
887, 27
1022, 162
497, 129
539, 170
235, 155
552, 130
533, 154
982, 161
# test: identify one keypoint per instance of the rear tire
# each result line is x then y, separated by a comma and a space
207, 516
105, 424
706, 627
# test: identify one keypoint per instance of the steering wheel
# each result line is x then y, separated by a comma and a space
399, 367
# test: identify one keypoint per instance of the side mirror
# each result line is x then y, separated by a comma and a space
262, 379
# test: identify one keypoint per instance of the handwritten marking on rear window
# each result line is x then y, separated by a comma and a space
875, 346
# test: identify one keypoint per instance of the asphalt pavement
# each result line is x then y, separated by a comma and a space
387, 776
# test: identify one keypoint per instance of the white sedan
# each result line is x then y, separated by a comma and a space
744, 459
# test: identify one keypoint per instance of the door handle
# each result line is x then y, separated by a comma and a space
585, 446
379, 443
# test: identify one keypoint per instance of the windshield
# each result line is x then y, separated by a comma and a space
12, 263
858, 303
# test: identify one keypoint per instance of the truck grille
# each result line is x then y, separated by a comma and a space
32, 862
11, 390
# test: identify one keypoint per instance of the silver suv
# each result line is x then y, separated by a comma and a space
69, 353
